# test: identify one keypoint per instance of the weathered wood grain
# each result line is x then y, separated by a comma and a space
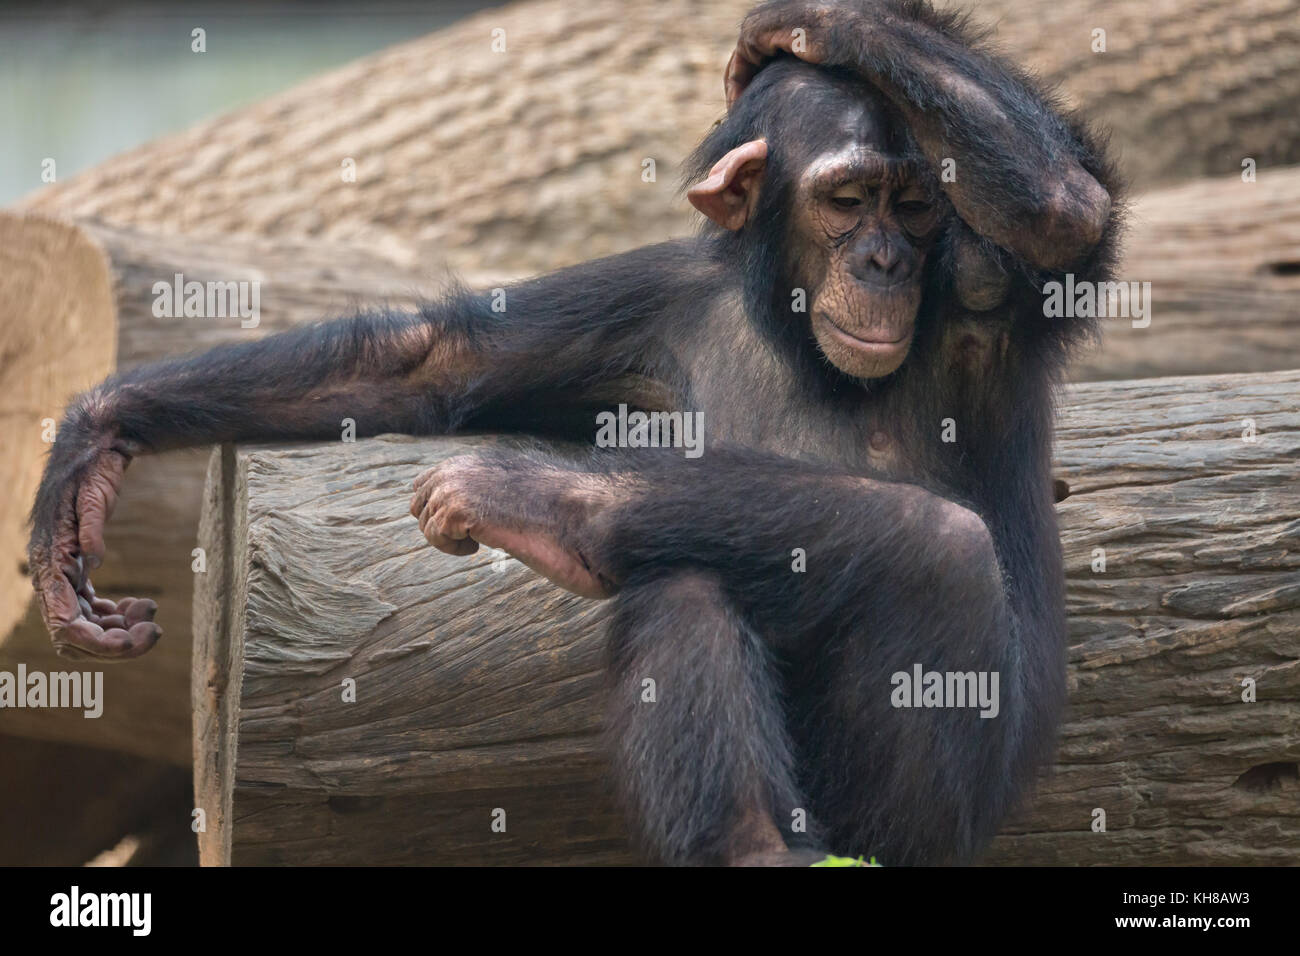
478, 684
531, 158
1223, 259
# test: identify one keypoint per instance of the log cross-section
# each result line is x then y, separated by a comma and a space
363, 698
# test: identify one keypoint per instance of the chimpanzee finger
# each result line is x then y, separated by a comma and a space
137, 609
459, 547
448, 537
737, 76
424, 485
757, 44
86, 598
419, 499
431, 526
81, 639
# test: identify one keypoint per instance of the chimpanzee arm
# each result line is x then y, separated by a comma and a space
426, 373
1024, 178
591, 526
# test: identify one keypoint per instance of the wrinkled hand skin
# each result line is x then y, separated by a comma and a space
67, 542
769, 30
469, 500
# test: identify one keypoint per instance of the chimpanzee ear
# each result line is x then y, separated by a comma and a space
729, 194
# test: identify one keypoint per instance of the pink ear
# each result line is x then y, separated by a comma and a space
728, 195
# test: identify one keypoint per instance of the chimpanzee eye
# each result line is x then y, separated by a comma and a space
914, 207
846, 201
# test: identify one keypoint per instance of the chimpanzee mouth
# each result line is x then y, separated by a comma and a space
865, 344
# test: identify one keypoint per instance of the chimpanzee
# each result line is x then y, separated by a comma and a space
860, 327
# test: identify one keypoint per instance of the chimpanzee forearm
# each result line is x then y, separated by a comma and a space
736, 513
301, 383
382, 371
1017, 172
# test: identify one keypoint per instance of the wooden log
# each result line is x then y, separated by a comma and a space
478, 684
533, 156
87, 294
1223, 260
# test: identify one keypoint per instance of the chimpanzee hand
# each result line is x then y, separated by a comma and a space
535, 513
771, 29
67, 542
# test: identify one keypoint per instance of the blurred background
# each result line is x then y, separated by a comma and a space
345, 153
82, 81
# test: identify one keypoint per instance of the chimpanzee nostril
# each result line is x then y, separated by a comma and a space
882, 262
885, 259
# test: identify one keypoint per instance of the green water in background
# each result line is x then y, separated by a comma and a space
80, 82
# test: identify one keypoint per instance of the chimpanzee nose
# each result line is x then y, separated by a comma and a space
885, 258
884, 263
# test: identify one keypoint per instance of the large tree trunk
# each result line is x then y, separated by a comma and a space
532, 158
478, 684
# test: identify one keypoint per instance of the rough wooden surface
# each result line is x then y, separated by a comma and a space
1223, 260
1202, 538
478, 683
532, 158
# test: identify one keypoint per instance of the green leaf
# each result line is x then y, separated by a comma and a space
845, 861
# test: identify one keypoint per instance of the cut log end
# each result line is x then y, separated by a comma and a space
58, 336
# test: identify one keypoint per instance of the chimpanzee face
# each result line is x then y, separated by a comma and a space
862, 222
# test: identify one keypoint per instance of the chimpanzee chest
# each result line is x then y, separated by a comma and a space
857, 432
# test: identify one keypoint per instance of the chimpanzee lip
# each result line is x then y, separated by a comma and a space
857, 342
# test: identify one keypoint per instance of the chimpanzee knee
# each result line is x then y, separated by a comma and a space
961, 548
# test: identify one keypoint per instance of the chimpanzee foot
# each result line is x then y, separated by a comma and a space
783, 857
756, 841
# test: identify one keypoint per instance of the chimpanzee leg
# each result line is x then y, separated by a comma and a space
887, 579
896, 578
916, 784
696, 730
